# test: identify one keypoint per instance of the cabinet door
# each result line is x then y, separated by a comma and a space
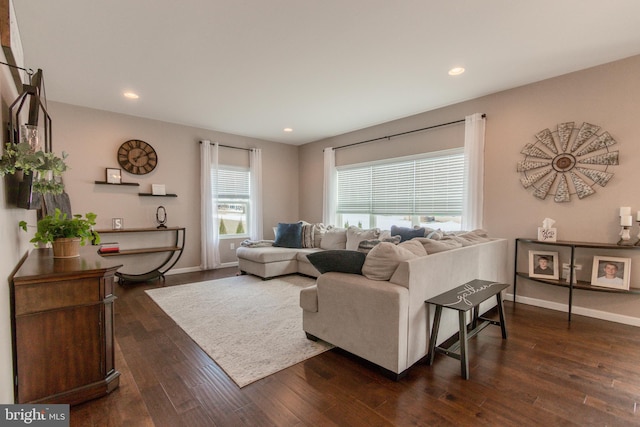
58, 350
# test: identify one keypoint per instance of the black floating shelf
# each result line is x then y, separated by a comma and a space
156, 195
132, 184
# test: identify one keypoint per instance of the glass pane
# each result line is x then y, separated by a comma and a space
442, 222
232, 216
359, 220
384, 222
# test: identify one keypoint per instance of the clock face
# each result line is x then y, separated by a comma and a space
137, 157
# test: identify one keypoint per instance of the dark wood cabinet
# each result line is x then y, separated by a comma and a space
62, 315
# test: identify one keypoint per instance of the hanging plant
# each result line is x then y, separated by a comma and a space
46, 168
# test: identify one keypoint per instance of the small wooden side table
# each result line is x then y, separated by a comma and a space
464, 298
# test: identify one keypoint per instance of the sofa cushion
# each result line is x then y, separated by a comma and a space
407, 233
311, 234
475, 236
289, 235
435, 246
318, 234
301, 254
383, 260
341, 261
415, 247
267, 254
309, 298
355, 235
334, 238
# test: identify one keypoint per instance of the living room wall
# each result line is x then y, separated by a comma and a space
605, 95
15, 243
92, 137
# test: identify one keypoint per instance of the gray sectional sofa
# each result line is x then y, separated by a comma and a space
380, 314
270, 261
387, 321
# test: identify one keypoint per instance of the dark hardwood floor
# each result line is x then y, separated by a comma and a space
548, 372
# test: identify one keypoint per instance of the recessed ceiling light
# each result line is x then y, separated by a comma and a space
287, 130
456, 71
131, 95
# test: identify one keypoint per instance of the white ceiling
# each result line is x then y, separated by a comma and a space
321, 67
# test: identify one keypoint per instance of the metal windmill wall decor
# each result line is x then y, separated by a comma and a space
568, 161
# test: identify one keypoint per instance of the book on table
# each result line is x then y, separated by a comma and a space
110, 247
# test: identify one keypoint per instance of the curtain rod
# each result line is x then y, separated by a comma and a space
229, 146
404, 133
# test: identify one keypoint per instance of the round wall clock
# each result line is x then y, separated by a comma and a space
567, 161
137, 157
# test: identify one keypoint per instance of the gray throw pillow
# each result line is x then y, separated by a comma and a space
407, 233
342, 261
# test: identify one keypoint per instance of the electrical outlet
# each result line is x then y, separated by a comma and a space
232, 246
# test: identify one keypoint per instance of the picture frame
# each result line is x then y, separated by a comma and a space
158, 190
544, 265
611, 272
117, 223
113, 176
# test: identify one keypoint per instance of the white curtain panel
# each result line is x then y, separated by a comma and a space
210, 237
330, 197
255, 213
473, 188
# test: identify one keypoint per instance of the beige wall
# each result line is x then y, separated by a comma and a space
15, 243
606, 95
92, 137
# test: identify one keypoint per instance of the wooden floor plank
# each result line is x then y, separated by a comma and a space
548, 372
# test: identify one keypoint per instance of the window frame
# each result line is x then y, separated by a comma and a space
231, 200
399, 161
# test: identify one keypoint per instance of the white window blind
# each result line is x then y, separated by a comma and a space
422, 186
232, 183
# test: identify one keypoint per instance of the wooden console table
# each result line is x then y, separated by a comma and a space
174, 252
464, 298
62, 324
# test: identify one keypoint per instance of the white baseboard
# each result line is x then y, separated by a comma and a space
181, 270
589, 312
193, 269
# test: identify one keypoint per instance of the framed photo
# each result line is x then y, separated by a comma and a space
117, 223
544, 265
611, 272
114, 176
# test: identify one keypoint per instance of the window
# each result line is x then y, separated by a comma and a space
418, 191
233, 201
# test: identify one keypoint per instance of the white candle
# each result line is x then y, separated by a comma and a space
625, 210
638, 217
626, 220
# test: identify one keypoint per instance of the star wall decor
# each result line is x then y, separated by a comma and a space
568, 161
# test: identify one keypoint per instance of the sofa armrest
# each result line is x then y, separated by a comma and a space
365, 317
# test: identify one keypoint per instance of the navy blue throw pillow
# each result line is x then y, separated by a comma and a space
406, 233
289, 235
339, 260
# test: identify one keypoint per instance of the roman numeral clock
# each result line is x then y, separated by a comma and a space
137, 157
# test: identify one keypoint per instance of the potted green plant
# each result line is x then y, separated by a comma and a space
45, 167
65, 234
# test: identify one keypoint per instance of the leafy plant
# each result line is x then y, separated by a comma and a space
45, 167
55, 226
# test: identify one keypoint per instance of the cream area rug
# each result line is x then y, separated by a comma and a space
251, 328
